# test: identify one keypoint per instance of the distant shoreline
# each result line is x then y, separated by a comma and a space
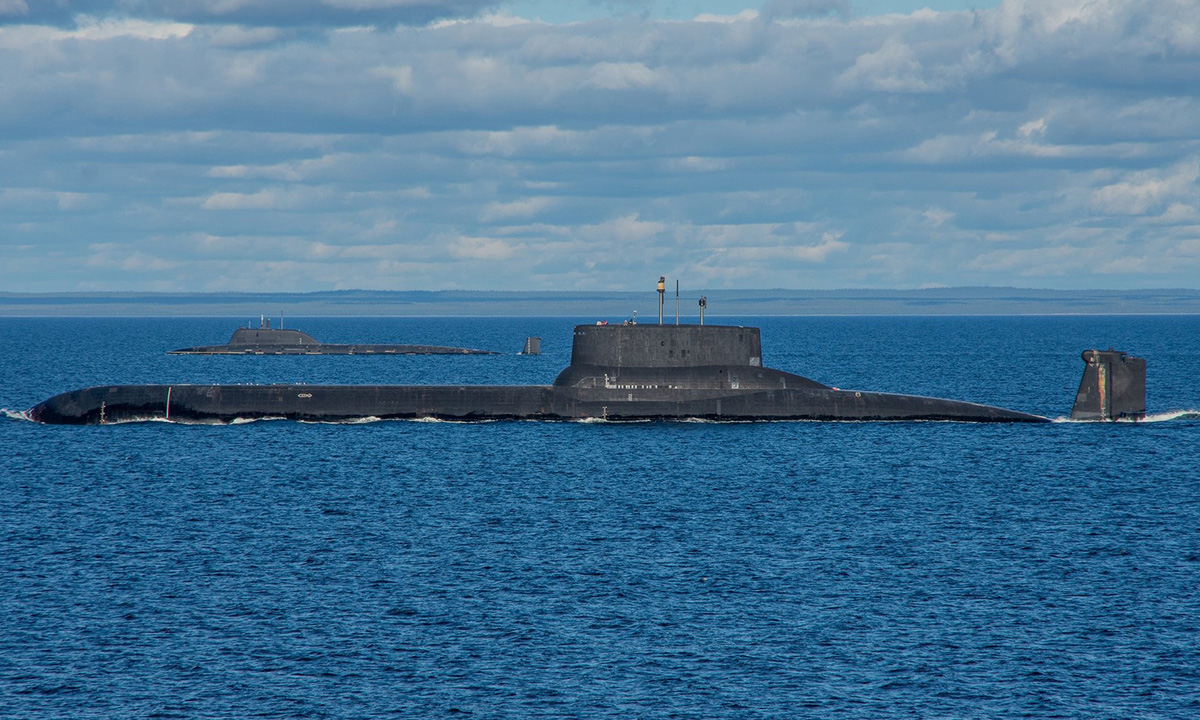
982, 301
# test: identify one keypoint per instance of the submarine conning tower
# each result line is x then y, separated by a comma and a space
673, 357
666, 346
267, 336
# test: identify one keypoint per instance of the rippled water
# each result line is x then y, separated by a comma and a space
519, 569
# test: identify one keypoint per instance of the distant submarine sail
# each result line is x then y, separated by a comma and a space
617, 372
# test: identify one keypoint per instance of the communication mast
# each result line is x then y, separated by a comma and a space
676, 302
662, 294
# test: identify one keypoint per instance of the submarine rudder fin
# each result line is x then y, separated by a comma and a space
1113, 387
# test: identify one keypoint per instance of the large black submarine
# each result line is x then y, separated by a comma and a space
617, 372
265, 340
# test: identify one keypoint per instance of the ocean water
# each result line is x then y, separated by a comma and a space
645, 570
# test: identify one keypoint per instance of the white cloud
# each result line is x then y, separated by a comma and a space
1178, 213
522, 140
743, 16
250, 12
937, 217
776, 252
500, 19
1033, 127
13, 7
236, 37
798, 147
302, 198
524, 208
1108, 30
262, 200
92, 30
830, 243
895, 67
697, 164
628, 229
295, 171
781, 9
482, 248
1146, 191
1034, 262
108, 256
622, 76
401, 77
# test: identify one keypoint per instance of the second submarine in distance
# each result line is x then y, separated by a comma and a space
265, 340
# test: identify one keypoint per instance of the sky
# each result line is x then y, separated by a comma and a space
301, 145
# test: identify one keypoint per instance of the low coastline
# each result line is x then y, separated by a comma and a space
483, 303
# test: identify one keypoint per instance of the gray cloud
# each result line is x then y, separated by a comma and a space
781, 9
278, 13
1055, 144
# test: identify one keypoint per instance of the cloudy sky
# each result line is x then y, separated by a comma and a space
295, 145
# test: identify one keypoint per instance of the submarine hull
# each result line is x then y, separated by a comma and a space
334, 403
617, 372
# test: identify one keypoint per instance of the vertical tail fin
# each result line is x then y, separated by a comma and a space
1113, 387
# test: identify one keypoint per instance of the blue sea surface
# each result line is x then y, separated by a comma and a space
583, 570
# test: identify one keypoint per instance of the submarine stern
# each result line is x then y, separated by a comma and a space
1113, 387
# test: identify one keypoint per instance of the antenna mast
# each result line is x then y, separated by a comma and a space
677, 302
662, 294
